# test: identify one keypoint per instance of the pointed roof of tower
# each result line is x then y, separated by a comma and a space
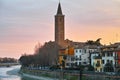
59, 11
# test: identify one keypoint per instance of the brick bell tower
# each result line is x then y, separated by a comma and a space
59, 27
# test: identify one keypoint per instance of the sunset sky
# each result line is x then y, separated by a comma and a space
24, 23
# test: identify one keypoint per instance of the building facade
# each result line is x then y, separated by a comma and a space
108, 58
82, 54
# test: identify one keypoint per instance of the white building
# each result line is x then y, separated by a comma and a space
70, 61
82, 54
93, 56
108, 57
107, 54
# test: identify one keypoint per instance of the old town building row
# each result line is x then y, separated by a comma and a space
100, 57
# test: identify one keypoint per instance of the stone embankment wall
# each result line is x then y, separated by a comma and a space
56, 74
71, 75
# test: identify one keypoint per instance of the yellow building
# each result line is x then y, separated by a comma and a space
98, 63
63, 54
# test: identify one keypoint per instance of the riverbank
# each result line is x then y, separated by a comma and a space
8, 73
8, 64
38, 74
51, 75
14, 72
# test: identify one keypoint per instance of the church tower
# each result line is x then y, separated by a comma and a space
59, 26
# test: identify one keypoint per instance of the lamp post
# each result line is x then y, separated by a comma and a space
80, 76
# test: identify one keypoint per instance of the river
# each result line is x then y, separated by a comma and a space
11, 73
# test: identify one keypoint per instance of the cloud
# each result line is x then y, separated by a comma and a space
96, 12
22, 20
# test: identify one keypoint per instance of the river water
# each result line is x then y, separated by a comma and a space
11, 73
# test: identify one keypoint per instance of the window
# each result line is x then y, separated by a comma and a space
72, 59
103, 54
75, 63
111, 54
80, 56
84, 63
79, 63
85, 50
76, 51
84, 59
79, 51
108, 54
76, 56
98, 64
107, 61
67, 64
103, 61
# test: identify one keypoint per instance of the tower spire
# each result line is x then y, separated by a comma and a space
59, 27
59, 11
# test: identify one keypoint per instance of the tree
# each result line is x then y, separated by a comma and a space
90, 68
26, 60
49, 53
46, 55
97, 42
91, 42
37, 47
108, 67
8, 60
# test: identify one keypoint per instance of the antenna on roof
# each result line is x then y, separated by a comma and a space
116, 37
